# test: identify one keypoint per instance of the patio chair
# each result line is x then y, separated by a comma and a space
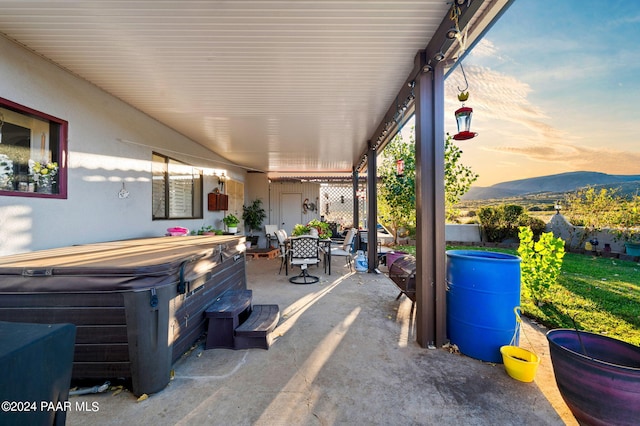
270, 233
346, 248
304, 251
281, 236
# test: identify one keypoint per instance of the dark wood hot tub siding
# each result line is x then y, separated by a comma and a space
101, 348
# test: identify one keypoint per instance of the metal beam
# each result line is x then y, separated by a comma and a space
372, 210
430, 222
438, 42
356, 204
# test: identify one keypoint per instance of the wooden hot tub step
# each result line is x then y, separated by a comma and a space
224, 315
256, 331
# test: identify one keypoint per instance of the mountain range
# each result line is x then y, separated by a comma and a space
559, 183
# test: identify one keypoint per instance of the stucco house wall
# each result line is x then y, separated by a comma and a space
109, 142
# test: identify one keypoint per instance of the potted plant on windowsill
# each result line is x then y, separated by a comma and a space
253, 215
43, 174
6, 173
231, 222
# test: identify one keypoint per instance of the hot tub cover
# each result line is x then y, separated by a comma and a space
114, 266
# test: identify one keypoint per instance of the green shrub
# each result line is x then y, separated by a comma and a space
538, 226
596, 209
576, 222
490, 220
511, 214
541, 263
500, 223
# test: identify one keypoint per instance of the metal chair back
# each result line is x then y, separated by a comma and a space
347, 245
304, 250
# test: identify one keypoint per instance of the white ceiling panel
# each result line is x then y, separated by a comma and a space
278, 86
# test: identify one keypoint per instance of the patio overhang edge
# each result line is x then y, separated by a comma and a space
478, 14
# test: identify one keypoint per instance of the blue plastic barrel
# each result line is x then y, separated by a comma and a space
483, 288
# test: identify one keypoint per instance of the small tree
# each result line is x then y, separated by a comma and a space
458, 178
397, 194
593, 208
628, 220
541, 263
253, 215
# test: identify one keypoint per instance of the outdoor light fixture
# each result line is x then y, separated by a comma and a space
557, 208
439, 56
452, 33
221, 179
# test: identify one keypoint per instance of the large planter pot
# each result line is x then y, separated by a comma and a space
632, 249
598, 376
392, 256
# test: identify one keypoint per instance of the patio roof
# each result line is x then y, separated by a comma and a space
283, 87
289, 88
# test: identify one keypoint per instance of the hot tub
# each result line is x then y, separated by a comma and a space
138, 305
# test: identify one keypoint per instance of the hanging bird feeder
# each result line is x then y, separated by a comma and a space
464, 114
400, 168
463, 118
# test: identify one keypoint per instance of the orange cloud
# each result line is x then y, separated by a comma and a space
510, 124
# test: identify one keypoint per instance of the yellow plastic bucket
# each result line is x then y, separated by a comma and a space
520, 364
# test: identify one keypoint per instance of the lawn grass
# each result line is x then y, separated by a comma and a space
601, 294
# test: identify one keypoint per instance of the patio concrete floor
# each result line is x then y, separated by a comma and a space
344, 353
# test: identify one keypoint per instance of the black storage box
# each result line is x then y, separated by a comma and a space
36, 362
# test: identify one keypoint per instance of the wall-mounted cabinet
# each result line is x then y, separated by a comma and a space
218, 202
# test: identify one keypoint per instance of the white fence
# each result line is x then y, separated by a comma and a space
574, 236
471, 233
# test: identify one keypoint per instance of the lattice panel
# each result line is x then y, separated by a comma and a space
336, 204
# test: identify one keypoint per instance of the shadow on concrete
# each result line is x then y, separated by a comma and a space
344, 353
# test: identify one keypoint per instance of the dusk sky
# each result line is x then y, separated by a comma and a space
554, 87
